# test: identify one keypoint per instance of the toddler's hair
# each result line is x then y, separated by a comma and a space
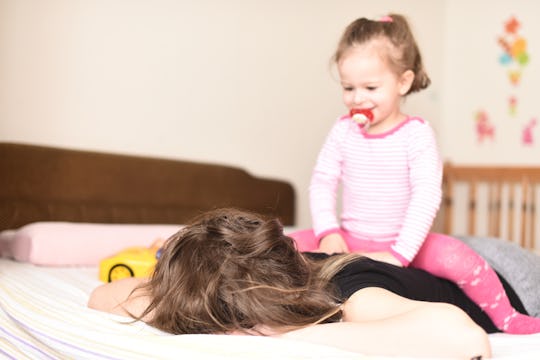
402, 52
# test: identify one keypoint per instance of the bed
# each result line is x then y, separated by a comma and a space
74, 201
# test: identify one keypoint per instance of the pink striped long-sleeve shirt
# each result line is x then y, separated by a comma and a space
391, 184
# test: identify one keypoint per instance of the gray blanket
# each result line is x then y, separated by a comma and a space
521, 268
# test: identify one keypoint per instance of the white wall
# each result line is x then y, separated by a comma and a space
475, 79
243, 82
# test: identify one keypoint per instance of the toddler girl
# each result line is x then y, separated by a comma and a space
390, 172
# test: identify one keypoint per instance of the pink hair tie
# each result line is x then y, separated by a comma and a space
386, 19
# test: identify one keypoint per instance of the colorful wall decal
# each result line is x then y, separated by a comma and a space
514, 47
512, 105
527, 135
514, 58
484, 128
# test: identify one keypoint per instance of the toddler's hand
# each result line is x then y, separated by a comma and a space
332, 244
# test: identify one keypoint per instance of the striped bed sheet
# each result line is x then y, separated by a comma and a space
43, 315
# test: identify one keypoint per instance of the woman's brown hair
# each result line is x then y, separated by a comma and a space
231, 270
401, 50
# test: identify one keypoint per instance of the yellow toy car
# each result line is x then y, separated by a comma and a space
131, 262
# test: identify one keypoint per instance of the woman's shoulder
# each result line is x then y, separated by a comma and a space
365, 272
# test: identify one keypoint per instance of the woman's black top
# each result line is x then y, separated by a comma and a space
413, 284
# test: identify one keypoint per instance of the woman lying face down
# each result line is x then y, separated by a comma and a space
234, 272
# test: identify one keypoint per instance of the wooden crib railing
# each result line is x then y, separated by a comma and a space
498, 201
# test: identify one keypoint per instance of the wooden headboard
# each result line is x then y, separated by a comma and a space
39, 183
498, 201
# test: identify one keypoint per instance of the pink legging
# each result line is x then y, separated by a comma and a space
451, 259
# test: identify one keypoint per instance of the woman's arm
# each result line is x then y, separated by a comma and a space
378, 322
120, 297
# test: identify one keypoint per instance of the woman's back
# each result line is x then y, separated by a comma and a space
410, 283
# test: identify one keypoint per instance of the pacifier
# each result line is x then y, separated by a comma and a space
363, 117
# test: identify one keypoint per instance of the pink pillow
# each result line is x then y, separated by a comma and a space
65, 243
